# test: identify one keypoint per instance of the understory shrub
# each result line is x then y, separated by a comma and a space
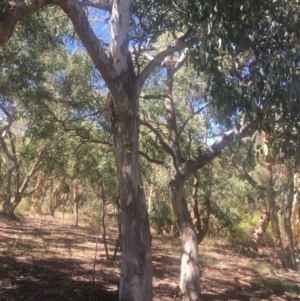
161, 216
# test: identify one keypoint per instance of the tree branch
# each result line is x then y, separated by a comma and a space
162, 143
77, 15
195, 163
152, 96
245, 174
16, 11
177, 45
152, 160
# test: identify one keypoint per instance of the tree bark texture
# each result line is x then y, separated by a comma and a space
295, 212
274, 219
295, 221
36, 202
136, 270
51, 207
200, 218
287, 212
76, 201
260, 230
190, 272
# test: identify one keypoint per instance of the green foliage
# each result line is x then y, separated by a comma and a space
161, 216
24, 206
228, 219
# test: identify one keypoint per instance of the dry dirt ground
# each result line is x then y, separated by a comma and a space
48, 259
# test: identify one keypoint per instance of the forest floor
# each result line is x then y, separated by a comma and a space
48, 259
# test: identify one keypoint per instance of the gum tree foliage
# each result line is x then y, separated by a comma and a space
46, 99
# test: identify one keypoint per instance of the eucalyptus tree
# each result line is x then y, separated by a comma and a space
125, 75
23, 157
125, 85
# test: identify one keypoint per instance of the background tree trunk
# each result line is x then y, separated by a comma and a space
51, 207
295, 212
274, 219
190, 273
200, 218
260, 230
76, 201
287, 212
36, 202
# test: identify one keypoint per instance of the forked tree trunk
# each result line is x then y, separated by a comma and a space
260, 230
189, 274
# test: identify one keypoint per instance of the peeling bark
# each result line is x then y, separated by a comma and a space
136, 270
260, 230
